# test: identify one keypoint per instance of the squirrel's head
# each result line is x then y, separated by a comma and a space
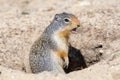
66, 22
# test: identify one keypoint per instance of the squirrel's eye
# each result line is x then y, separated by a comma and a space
66, 20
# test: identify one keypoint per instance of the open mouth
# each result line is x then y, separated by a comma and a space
74, 30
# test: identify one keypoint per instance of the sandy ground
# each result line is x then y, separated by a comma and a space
98, 38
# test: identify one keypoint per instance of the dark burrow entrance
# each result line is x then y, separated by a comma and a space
78, 61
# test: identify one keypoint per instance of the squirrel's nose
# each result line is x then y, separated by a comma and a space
78, 25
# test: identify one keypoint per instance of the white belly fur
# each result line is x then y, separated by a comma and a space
60, 42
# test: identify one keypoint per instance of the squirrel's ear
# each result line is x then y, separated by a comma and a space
57, 17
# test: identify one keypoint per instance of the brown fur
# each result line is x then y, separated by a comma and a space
74, 19
61, 53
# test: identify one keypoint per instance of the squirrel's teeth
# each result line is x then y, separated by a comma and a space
74, 30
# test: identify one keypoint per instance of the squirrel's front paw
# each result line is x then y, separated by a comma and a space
65, 62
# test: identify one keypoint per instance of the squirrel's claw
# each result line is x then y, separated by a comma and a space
65, 62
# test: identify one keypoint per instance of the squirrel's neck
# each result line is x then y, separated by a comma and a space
62, 34
61, 39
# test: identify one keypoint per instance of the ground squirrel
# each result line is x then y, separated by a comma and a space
50, 51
